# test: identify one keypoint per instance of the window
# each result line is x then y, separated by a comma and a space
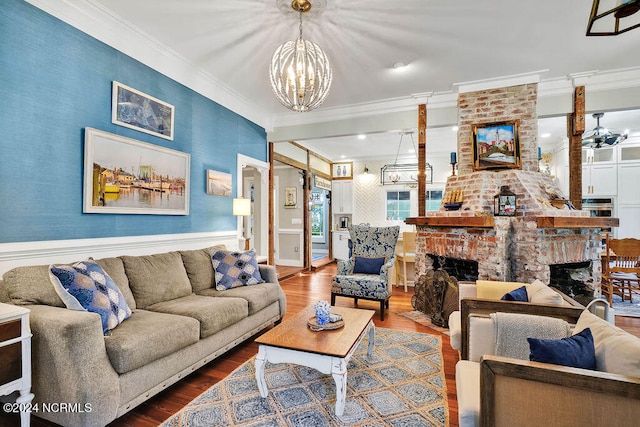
398, 205
433, 200
318, 217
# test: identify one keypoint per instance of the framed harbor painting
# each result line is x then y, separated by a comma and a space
136, 110
126, 176
496, 145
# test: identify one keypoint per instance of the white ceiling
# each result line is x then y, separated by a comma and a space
444, 42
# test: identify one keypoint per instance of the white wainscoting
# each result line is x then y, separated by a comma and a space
59, 251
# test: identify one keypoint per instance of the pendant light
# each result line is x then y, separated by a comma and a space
610, 18
300, 72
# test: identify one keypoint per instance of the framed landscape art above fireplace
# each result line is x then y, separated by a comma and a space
496, 146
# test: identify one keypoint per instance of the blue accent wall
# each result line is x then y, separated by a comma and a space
55, 81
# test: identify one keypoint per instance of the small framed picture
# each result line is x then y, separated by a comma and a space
343, 170
496, 146
136, 110
290, 197
218, 183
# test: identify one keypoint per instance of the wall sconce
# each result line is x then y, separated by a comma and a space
366, 169
242, 208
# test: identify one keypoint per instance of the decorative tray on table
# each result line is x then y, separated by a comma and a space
314, 326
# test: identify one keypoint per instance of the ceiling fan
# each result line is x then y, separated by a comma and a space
601, 137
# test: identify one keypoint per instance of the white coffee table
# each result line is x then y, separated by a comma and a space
327, 351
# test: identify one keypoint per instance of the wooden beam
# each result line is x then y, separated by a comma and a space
578, 110
271, 258
422, 158
575, 164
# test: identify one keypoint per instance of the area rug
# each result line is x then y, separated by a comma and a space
421, 318
629, 309
401, 384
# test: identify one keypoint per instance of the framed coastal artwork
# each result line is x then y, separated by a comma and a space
219, 183
342, 170
126, 176
496, 146
136, 110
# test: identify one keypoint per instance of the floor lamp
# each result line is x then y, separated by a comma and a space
242, 208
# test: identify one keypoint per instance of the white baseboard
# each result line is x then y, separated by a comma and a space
58, 251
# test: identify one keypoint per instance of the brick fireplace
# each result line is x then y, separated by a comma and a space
521, 248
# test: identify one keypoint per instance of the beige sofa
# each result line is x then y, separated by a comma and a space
179, 323
483, 297
505, 391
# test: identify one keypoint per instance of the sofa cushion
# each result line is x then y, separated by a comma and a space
197, 263
234, 268
115, 269
519, 294
31, 285
366, 265
258, 297
148, 336
616, 350
490, 289
540, 293
576, 351
156, 278
85, 286
468, 373
214, 314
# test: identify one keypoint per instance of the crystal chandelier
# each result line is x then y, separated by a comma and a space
300, 73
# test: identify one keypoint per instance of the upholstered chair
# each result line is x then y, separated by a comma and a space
365, 275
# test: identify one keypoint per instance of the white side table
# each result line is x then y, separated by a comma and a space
15, 357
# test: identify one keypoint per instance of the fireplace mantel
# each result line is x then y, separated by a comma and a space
488, 221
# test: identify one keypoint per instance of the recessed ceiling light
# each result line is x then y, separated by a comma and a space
342, 156
454, 128
361, 136
545, 135
400, 66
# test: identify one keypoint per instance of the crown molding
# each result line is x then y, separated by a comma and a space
93, 19
499, 82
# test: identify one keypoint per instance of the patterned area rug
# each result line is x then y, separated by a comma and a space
424, 320
401, 384
630, 309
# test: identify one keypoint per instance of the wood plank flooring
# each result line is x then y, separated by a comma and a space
301, 289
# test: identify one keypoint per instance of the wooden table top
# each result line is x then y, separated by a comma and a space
293, 333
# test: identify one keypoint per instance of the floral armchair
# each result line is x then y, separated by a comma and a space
366, 274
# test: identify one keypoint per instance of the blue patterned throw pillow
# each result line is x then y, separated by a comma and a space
85, 286
233, 269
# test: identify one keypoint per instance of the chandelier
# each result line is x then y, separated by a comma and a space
613, 17
404, 173
300, 72
600, 136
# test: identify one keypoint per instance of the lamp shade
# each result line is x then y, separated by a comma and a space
241, 207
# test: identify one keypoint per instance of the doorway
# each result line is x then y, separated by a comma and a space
253, 183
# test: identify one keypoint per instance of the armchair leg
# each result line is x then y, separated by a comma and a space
382, 304
333, 299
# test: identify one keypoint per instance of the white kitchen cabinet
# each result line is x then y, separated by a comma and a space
629, 224
340, 244
599, 180
342, 196
629, 183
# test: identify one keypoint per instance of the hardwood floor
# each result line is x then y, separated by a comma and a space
301, 289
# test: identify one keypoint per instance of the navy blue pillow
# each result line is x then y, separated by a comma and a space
576, 351
368, 265
519, 294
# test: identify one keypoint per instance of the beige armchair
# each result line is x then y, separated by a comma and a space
483, 297
501, 391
